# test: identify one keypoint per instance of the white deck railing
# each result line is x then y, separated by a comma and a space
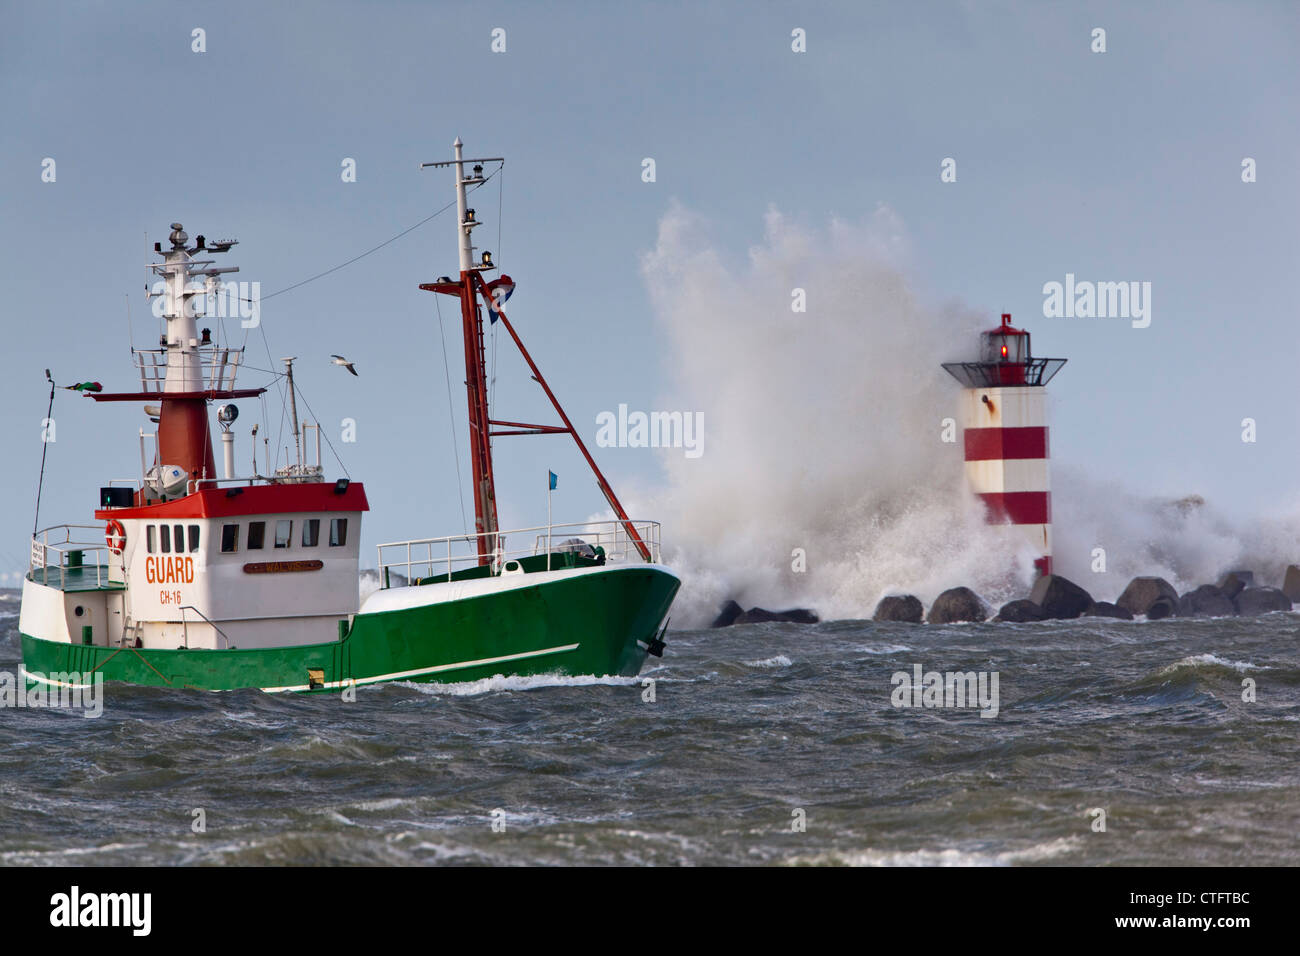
58, 547
426, 558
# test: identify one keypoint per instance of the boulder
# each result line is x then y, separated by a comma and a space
1106, 609
1291, 583
1059, 597
899, 607
1254, 601
727, 616
796, 615
1162, 607
1234, 582
1205, 601
1021, 612
1141, 593
957, 604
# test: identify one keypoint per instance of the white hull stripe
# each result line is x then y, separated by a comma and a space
41, 679
401, 675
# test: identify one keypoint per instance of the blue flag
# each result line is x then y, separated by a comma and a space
554, 479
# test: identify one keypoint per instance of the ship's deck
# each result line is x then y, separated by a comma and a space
90, 577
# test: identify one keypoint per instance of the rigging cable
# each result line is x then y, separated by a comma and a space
357, 258
451, 414
45, 446
319, 433
492, 385
321, 275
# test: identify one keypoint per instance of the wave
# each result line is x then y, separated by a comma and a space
490, 685
946, 857
1210, 663
780, 660
825, 480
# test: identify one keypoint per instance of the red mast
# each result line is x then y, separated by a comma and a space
468, 289
480, 439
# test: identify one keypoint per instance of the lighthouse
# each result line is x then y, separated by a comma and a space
1004, 429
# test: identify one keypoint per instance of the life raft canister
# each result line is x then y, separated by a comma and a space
115, 536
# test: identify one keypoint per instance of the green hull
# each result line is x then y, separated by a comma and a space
589, 624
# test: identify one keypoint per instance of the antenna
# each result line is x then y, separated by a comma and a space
465, 216
293, 408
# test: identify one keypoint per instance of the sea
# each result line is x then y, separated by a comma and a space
1111, 743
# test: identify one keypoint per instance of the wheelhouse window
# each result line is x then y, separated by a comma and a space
194, 537
338, 532
310, 532
165, 535
283, 533
150, 534
178, 536
229, 538
256, 535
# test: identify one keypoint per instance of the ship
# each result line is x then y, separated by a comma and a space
192, 580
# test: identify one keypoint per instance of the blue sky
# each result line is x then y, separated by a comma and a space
1123, 165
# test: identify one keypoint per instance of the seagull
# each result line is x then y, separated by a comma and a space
340, 360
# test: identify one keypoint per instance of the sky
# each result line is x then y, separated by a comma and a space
1122, 165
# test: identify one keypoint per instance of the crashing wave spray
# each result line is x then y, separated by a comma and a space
824, 435
1186, 541
824, 426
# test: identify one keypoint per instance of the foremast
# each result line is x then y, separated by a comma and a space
470, 287
184, 437
184, 373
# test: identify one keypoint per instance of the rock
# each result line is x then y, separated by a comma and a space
1291, 584
1106, 609
957, 604
797, 615
1059, 597
1205, 601
1021, 612
1234, 582
1162, 607
1141, 593
727, 616
1254, 601
899, 607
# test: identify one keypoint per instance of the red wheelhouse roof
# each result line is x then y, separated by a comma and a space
241, 500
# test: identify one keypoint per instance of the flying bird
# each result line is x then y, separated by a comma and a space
340, 360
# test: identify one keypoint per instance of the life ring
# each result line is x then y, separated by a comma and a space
115, 536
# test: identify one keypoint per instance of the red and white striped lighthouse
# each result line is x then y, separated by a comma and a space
1004, 428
